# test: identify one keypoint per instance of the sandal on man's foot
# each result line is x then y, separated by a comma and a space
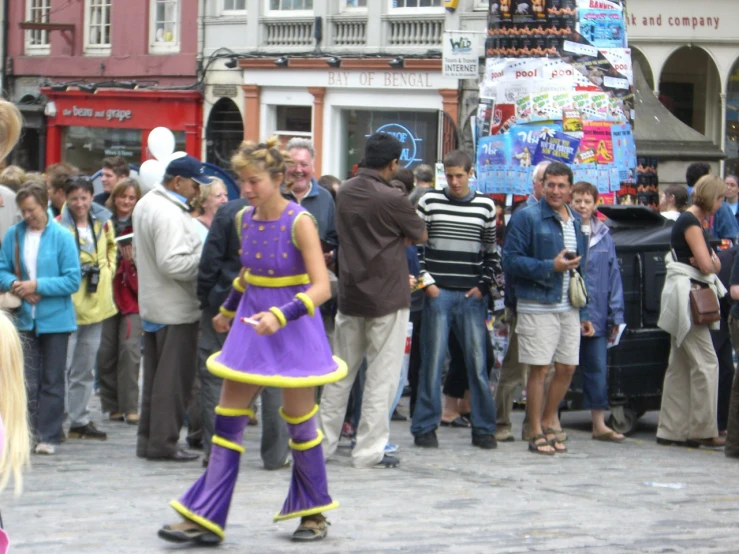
537, 443
188, 532
554, 442
312, 528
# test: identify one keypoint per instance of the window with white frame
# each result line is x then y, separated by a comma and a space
165, 26
290, 5
354, 4
234, 6
400, 4
97, 35
37, 41
293, 121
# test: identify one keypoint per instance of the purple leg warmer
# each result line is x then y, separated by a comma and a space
209, 498
308, 494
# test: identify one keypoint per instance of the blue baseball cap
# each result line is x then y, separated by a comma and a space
190, 168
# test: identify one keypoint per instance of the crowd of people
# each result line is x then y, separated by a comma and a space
300, 296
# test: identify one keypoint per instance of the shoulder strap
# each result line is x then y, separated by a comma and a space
17, 256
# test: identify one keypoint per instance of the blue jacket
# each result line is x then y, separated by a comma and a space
58, 277
724, 224
320, 204
603, 280
533, 240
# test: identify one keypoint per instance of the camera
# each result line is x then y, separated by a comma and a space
92, 272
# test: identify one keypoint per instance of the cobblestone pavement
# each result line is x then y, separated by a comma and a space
635, 497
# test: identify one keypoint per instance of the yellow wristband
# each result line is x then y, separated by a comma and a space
305, 299
229, 314
277, 312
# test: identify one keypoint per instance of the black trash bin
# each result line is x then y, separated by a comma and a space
636, 367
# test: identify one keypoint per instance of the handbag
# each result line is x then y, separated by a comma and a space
8, 300
704, 306
578, 292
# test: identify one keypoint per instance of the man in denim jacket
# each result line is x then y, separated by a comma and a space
544, 245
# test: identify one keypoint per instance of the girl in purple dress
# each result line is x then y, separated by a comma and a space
275, 338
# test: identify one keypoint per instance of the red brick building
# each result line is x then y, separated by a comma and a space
93, 77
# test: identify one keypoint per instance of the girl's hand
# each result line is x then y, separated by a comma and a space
268, 323
221, 324
412, 281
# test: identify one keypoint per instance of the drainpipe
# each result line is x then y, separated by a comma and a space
4, 54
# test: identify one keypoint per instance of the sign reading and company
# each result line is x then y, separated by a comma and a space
659, 19
460, 52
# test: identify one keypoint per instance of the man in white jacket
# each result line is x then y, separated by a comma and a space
167, 251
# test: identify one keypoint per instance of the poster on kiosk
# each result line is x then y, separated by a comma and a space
558, 85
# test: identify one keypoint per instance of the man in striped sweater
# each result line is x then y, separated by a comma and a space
462, 257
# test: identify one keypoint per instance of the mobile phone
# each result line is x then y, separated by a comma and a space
570, 255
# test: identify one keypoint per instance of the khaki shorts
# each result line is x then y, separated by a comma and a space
549, 338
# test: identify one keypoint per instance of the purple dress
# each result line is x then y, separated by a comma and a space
297, 355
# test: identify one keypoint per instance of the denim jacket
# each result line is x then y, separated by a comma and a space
533, 240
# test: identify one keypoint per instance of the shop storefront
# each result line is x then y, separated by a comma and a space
343, 106
690, 54
83, 128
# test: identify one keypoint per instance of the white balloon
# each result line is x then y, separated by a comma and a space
173, 157
150, 175
161, 143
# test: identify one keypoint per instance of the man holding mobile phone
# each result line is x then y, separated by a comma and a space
544, 245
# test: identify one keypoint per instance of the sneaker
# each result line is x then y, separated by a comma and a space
87, 432
391, 449
45, 449
486, 442
504, 435
426, 440
397, 416
388, 462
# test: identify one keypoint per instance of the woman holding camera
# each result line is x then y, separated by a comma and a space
119, 356
95, 238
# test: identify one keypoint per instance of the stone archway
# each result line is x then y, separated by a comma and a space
690, 87
732, 121
224, 133
638, 56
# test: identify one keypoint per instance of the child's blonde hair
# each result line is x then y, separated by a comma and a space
265, 156
11, 124
15, 448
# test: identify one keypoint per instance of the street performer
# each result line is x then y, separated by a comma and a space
276, 339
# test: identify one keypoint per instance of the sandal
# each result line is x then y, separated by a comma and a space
459, 422
535, 445
311, 528
554, 442
188, 532
609, 436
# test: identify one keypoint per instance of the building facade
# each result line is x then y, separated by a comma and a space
93, 77
688, 51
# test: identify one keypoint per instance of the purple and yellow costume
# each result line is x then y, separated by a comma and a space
298, 355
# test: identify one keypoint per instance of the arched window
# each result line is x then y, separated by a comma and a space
224, 133
732, 121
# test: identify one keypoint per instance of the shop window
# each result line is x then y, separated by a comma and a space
85, 147
418, 133
37, 42
290, 5
165, 27
732, 122
234, 6
400, 4
97, 35
293, 121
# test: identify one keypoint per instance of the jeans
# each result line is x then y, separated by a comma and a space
81, 354
594, 366
466, 316
45, 357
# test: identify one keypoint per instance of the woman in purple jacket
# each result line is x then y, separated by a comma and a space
605, 306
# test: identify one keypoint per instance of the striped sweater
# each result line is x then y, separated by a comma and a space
461, 251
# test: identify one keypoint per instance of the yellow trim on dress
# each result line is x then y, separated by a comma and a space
306, 445
228, 313
238, 286
277, 282
223, 371
310, 512
305, 299
293, 237
301, 419
277, 312
200, 520
234, 412
220, 441
240, 222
